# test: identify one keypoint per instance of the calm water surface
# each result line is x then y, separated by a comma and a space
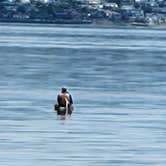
117, 78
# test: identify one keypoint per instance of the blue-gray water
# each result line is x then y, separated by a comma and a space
117, 76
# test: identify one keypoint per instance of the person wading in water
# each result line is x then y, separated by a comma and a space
64, 102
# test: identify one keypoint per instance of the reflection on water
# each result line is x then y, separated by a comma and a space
117, 78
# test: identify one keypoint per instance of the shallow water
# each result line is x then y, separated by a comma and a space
117, 78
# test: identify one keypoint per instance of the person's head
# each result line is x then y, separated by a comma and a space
63, 90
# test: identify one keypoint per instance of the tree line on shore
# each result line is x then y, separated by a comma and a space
112, 10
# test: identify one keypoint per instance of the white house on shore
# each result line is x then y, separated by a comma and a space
92, 1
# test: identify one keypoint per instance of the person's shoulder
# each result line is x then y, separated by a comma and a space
59, 94
68, 93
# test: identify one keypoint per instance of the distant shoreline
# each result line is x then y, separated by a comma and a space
77, 22
39, 21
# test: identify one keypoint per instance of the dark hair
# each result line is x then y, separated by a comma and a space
64, 90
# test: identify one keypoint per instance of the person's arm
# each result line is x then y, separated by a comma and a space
58, 99
71, 100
